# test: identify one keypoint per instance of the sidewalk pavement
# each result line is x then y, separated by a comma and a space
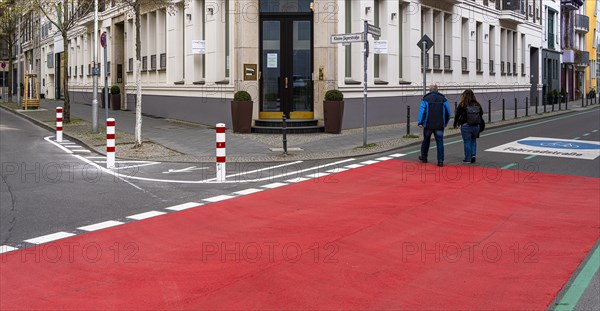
175, 141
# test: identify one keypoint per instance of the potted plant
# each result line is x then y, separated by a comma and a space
241, 112
115, 97
333, 111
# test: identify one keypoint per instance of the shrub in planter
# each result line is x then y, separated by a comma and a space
241, 112
333, 111
115, 97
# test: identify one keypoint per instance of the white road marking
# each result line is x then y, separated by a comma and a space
101, 225
6, 248
218, 198
80, 150
298, 179
397, 155
146, 215
96, 158
248, 191
274, 185
49, 237
57, 144
185, 170
353, 166
369, 162
317, 175
383, 159
337, 170
184, 206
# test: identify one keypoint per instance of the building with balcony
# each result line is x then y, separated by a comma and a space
591, 44
196, 54
551, 52
575, 61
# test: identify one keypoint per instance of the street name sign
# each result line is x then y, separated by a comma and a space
347, 38
374, 30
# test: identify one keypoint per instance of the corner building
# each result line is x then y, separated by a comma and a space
196, 54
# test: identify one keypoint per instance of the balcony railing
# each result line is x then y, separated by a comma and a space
582, 23
491, 66
447, 62
464, 64
570, 5
512, 10
582, 58
436, 61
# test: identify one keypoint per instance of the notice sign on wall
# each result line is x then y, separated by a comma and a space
271, 60
198, 47
380, 46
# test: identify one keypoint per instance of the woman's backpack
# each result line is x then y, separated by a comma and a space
473, 117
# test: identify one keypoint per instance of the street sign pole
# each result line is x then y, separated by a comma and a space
366, 59
424, 50
94, 72
104, 45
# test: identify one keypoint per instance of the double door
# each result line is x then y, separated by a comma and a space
286, 67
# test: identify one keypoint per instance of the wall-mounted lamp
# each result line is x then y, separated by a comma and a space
210, 11
188, 16
394, 15
367, 10
485, 36
472, 33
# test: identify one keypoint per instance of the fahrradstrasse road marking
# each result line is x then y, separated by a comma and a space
552, 147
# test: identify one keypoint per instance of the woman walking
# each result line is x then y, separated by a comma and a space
469, 117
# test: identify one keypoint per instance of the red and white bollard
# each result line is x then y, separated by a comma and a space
110, 143
220, 152
59, 125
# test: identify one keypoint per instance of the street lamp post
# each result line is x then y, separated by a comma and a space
95, 72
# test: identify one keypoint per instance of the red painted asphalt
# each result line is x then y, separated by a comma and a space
393, 235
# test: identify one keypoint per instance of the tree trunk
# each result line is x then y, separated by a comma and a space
67, 105
10, 73
138, 81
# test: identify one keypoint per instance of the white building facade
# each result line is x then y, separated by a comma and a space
196, 54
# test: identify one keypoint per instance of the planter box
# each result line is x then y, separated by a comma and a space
333, 112
241, 116
115, 101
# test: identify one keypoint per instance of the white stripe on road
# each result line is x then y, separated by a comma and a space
146, 215
102, 225
80, 150
369, 162
248, 191
397, 155
6, 248
184, 206
57, 144
274, 185
337, 170
317, 175
218, 198
383, 159
298, 179
49, 237
353, 166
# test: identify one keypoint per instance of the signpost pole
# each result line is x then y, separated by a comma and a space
104, 44
424, 51
94, 72
366, 59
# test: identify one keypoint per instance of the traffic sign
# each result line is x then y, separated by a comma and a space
3, 65
374, 30
428, 43
347, 38
103, 40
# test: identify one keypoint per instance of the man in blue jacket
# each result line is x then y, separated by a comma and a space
434, 115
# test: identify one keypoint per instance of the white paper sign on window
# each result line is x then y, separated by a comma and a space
272, 60
198, 47
380, 46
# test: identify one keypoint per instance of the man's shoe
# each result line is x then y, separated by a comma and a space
440, 164
424, 160
467, 162
472, 159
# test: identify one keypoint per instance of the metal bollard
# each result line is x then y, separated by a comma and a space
490, 111
110, 143
516, 108
59, 125
526, 106
536, 104
503, 111
582, 100
285, 151
407, 120
221, 155
552, 104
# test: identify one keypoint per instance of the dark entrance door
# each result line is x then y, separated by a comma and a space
286, 66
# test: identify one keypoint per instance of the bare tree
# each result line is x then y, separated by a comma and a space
65, 16
9, 19
136, 6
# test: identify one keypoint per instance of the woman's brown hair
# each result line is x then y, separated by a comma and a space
468, 98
